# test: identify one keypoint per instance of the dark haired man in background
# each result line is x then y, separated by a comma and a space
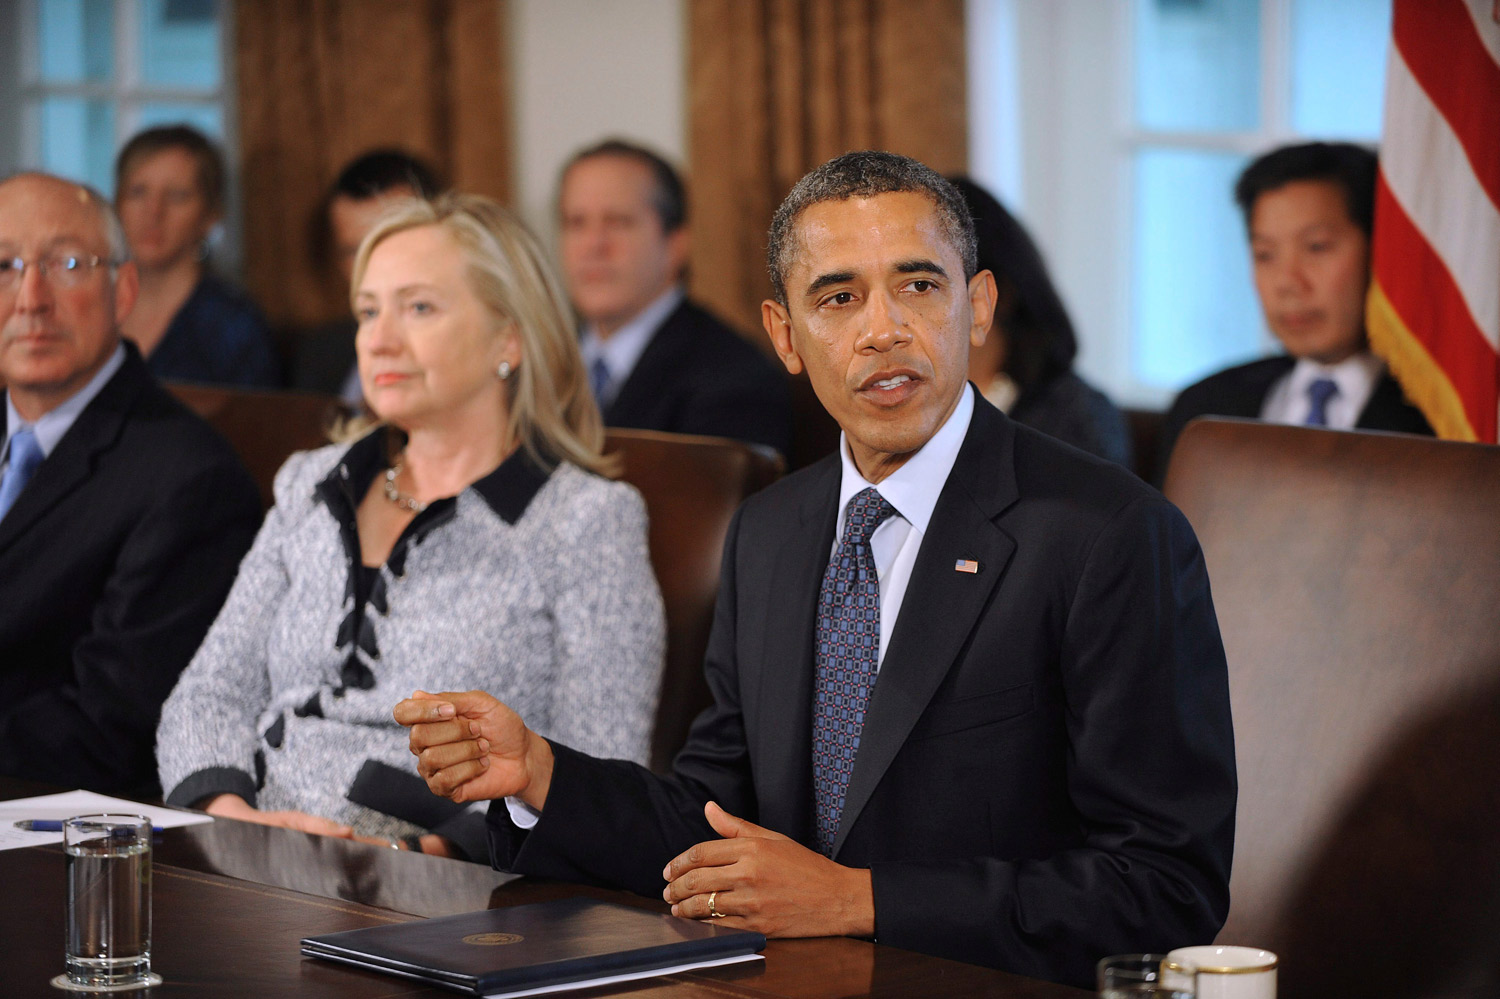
362, 191
656, 360
1309, 213
969, 693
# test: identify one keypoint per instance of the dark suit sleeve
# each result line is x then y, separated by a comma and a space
616, 824
98, 729
1151, 776
754, 405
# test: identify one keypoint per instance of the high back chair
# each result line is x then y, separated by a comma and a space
264, 428
1356, 577
692, 486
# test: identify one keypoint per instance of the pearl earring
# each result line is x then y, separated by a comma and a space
504, 370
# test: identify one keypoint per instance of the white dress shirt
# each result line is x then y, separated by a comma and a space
1288, 401
623, 348
913, 490
51, 425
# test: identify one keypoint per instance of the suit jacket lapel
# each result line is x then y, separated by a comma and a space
644, 383
72, 461
942, 605
786, 683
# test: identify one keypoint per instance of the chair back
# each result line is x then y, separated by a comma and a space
263, 427
692, 486
1356, 578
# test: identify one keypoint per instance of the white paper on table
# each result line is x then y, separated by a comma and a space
631, 977
67, 804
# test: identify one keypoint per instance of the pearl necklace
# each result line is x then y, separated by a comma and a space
395, 495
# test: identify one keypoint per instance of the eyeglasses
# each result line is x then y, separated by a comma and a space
62, 270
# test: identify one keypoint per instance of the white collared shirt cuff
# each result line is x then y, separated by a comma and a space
522, 814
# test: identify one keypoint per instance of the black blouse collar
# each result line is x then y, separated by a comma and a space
508, 490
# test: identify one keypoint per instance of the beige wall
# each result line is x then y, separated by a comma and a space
587, 69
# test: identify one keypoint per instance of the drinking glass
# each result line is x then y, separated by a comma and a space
108, 926
1140, 976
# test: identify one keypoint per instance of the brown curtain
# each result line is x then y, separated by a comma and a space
779, 86
322, 81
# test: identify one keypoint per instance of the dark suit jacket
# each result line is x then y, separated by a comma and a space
113, 562
1046, 774
698, 376
1241, 391
324, 357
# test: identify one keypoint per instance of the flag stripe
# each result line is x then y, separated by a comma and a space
1440, 43
1486, 17
1423, 381
1422, 292
1427, 172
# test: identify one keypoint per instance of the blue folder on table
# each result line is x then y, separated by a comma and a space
531, 946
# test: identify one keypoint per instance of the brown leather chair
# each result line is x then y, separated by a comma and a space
1357, 582
263, 427
692, 486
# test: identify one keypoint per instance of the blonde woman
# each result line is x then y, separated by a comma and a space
468, 540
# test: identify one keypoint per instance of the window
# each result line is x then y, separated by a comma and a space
94, 72
1136, 118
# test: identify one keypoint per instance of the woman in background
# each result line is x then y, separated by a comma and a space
190, 325
467, 541
1025, 367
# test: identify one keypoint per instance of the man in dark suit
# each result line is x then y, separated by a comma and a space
123, 517
360, 194
969, 693
656, 360
1309, 212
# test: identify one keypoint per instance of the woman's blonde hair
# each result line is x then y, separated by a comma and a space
552, 412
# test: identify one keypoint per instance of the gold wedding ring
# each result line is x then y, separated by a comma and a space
713, 910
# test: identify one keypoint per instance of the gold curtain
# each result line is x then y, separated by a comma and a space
322, 81
779, 86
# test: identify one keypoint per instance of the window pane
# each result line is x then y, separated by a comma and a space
206, 118
1338, 66
78, 139
76, 40
1195, 310
180, 43
1197, 64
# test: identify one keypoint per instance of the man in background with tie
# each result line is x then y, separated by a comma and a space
656, 360
969, 693
1309, 212
123, 516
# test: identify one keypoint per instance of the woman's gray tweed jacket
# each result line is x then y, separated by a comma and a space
535, 587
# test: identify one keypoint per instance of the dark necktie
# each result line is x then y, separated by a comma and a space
848, 656
25, 455
599, 381
1318, 394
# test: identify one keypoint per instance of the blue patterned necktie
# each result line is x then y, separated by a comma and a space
1318, 394
599, 380
848, 655
25, 455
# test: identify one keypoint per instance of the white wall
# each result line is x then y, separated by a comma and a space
584, 70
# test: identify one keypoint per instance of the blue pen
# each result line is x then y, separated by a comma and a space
52, 825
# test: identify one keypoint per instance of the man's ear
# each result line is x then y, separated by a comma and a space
678, 248
778, 323
127, 289
982, 295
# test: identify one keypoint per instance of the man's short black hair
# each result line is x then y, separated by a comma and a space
668, 195
382, 170
1349, 167
865, 174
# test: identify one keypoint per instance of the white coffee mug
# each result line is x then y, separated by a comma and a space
1221, 972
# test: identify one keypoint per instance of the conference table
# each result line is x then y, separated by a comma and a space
232, 899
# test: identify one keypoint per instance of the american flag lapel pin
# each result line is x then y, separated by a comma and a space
966, 565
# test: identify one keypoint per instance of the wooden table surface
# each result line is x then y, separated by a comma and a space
231, 900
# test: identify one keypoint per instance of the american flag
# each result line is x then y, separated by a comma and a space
1434, 305
966, 565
